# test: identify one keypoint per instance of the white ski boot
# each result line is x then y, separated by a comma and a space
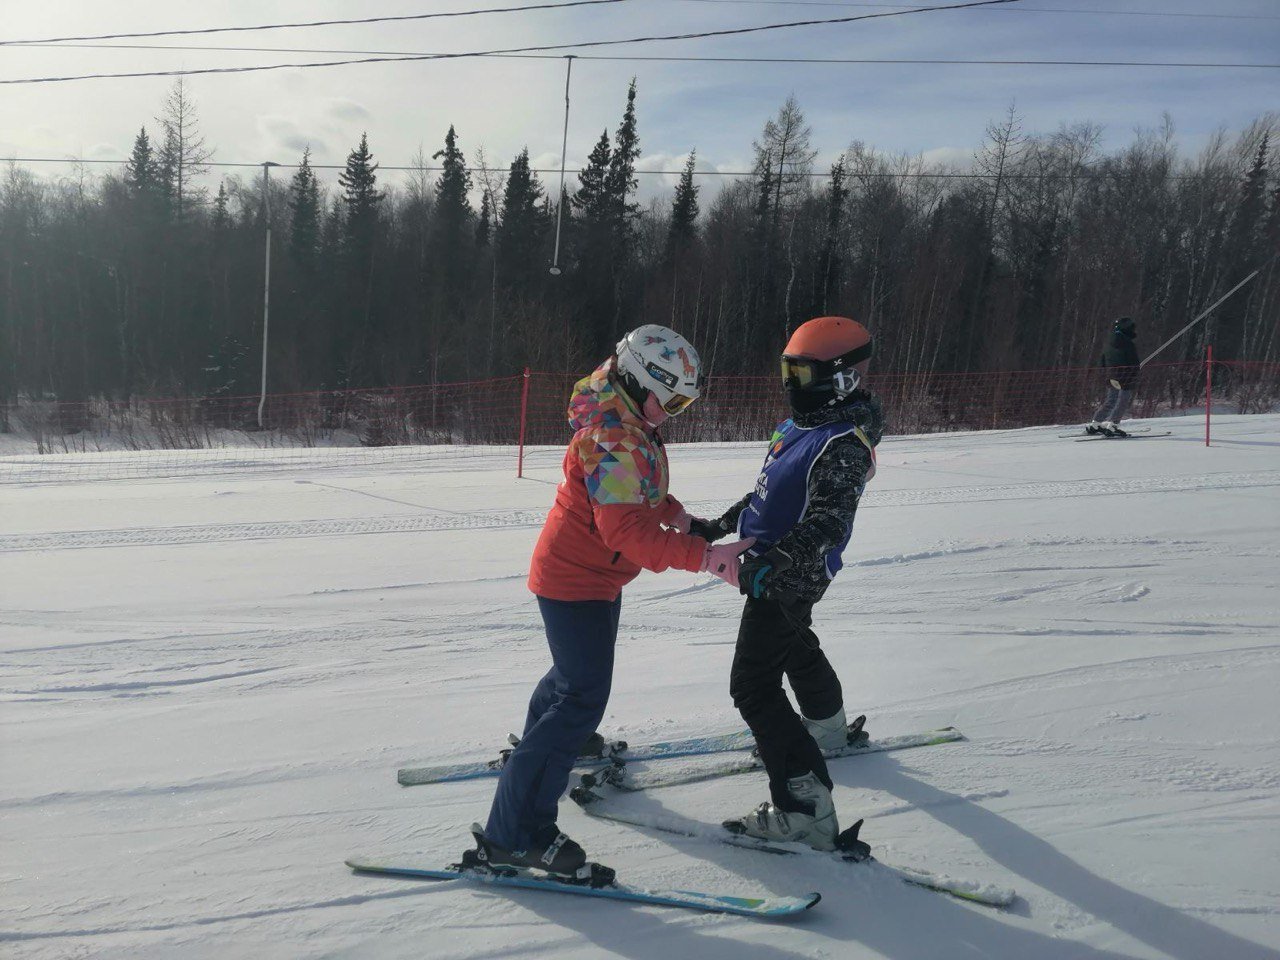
767, 822
831, 733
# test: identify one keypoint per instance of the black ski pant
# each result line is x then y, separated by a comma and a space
774, 640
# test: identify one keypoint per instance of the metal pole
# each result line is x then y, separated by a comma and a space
524, 419
1208, 390
1202, 315
266, 287
564, 147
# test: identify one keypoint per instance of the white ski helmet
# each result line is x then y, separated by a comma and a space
653, 359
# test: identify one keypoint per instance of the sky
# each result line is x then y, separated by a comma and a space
938, 111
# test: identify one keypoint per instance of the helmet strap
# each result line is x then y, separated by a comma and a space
630, 386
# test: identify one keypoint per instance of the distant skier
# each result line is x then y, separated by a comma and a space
612, 516
801, 515
1120, 361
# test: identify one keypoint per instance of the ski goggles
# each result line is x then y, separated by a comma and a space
799, 373
677, 403
804, 373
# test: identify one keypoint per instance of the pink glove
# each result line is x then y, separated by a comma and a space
680, 522
724, 559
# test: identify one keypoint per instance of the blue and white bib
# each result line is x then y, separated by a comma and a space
781, 497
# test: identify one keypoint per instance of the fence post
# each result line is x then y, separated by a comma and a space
1208, 390
524, 419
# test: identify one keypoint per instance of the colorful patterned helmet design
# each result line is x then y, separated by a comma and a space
653, 359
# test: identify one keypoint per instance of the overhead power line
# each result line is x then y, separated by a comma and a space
835, 61
698, 35
813, 174
1018, 9
317, 23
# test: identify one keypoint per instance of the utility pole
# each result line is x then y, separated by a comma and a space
564, 148
266, 285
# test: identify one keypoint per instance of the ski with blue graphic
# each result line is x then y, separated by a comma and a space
762, 908
643, 776
611, 752
614, 752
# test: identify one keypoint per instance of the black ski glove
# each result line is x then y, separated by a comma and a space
756, 576
709, 530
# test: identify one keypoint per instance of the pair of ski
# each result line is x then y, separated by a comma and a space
1143, 434
591, 794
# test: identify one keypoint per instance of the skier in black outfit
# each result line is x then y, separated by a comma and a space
1120, 361
801, 514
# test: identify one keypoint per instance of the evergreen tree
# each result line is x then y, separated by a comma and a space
620, 181
449, 264
684, 210
357, 342
592, 197
140, 171
359, 182
593, 238
304, 214
1246, 225
519, 234
453, 208
166, 172
221, 218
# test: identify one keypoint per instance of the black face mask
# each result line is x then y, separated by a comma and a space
808, 400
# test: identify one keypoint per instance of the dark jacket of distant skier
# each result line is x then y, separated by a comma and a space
1120, 358
834, 486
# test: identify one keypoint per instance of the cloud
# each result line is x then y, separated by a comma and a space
961, 157
104, 151
285, 135
346, 110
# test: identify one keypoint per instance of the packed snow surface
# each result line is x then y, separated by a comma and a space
209, 679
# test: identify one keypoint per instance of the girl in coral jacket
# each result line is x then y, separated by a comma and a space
613, 516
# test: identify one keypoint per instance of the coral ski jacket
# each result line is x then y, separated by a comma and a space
607, 521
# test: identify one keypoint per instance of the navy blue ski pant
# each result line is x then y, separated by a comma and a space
564, 710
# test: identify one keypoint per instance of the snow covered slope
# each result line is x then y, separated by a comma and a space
208, 682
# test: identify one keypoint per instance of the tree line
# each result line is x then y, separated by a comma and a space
148, 283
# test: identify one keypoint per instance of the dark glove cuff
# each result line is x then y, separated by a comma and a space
709, 530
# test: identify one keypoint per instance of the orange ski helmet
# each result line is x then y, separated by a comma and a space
824, 361
830, 338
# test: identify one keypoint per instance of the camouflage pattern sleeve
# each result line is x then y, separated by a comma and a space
729, 519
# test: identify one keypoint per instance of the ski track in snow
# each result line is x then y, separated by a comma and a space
505, 519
